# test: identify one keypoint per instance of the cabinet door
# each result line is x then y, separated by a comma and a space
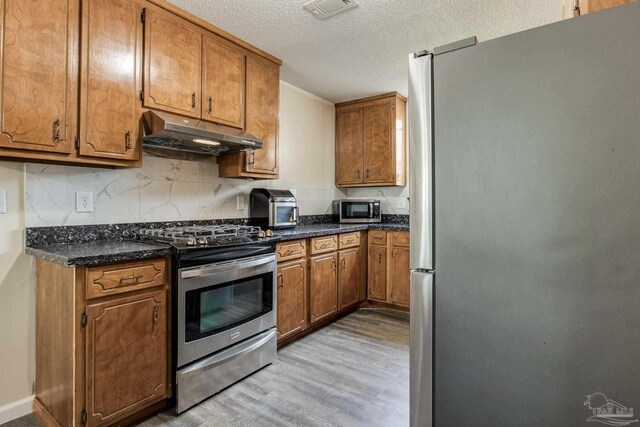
378, 143
38, 81
350, 147
323, 289
377, 273
349, 278
400, 276
110, 78
292, 298
596, 5
263, 102
172, 74
223, 82
126, 356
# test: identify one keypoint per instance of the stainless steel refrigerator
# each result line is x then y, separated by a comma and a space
525, 227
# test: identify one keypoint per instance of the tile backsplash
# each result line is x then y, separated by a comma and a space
162, 190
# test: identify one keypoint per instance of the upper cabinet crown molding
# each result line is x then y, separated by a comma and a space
371, 141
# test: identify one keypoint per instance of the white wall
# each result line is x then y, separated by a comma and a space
17, 293
168, 190
163, 190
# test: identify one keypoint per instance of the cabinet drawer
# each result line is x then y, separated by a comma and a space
349, 240
320, 245
291, 250
377, 237
400, 238
119, 278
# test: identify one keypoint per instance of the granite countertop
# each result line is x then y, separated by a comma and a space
315, 230
98, 253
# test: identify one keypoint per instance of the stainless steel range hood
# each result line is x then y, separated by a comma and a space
163, 131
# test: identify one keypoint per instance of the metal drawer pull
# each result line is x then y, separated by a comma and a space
289, 252
136, 277
324, 245
156, 313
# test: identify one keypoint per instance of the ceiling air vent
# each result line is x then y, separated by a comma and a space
323, 9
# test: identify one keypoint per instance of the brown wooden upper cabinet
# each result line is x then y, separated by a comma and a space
173, 63
39, 76
371, 142
262, 111
223, 81
590, 6
111, 77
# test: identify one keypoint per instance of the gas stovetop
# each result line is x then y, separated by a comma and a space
208, 236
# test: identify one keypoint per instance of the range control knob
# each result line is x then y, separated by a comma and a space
269, 233
261, 234
202, 240
191, 241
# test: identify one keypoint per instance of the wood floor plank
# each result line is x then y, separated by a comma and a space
352, 373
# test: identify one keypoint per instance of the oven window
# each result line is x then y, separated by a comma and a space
217, 308
284, 214
355, 210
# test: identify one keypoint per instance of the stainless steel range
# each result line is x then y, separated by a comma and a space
224, 306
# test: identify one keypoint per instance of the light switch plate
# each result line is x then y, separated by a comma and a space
84, 201
3, 201
240, 203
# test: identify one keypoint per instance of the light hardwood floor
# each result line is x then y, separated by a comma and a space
354, 372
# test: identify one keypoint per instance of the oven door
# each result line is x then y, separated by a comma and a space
224, 303
283, 214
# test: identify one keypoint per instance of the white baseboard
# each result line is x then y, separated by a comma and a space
16, 409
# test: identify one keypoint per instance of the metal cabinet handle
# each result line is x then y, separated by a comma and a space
193, 100
344, 264
358, 173
367, 173
334, 264
379, 257
127, 140
210, 104
56, 131
280, 281
156, 313
136, 277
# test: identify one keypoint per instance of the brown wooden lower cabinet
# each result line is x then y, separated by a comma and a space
388, 269
323, 287
100, 359
292, 297
377, 277
349, 277
400, 276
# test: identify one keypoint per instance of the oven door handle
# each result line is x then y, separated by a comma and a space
231, 266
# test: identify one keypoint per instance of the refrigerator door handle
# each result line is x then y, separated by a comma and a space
421, 162
421, 348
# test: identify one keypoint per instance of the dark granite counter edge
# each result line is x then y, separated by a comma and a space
93, 260
302, 233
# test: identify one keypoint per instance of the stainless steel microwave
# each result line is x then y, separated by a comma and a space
357, 210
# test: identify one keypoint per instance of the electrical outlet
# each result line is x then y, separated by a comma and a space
240, 203
84, 201
3, 201
401, 203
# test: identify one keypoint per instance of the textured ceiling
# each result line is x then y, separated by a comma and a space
364, 51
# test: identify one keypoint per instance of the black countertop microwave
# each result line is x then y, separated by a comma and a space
357, 210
